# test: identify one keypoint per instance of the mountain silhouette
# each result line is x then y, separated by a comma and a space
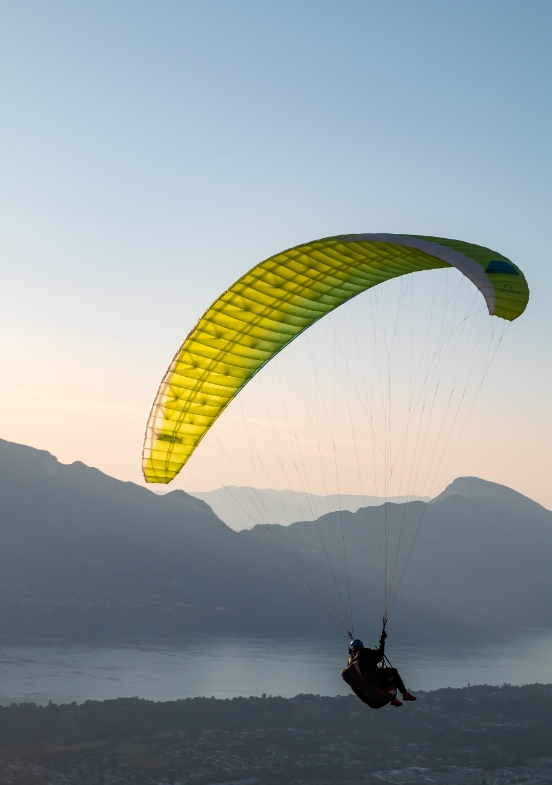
85, 557
244, 507
482, 560
474, 488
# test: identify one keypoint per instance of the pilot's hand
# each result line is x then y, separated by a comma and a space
383, 636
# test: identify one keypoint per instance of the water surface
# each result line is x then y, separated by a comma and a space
228, 667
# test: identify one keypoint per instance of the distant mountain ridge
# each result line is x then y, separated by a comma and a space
88, 557
244, 507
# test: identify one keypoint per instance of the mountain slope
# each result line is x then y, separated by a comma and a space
482, 562
87, 556
487, 557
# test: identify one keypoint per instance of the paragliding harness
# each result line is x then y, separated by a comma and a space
373, 696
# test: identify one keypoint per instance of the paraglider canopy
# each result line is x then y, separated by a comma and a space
276, 301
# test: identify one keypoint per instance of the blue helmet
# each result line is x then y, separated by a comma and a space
356, 644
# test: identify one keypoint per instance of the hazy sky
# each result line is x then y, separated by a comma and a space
154, 151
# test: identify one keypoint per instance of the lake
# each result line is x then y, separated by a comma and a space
228, 667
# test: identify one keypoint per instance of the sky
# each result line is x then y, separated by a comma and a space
152, 152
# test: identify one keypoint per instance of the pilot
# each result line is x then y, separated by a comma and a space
368, 662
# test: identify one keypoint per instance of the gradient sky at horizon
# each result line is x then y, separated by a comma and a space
154, 151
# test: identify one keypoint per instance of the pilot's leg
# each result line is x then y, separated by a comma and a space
395, 679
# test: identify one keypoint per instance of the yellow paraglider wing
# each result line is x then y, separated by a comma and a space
278, 299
